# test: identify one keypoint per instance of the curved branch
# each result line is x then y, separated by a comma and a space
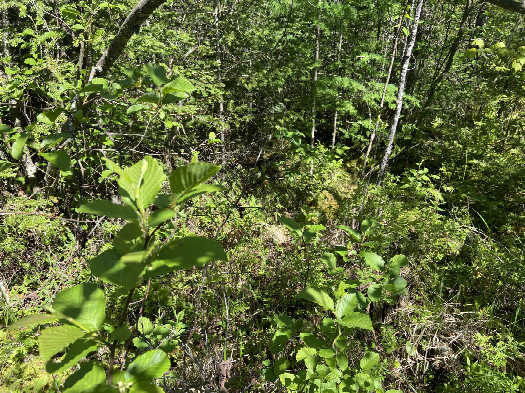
511, 5
131, 25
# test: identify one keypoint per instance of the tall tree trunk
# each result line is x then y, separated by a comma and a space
400, 91
315, 76
218, 56
130, 26
387, 81
339, 50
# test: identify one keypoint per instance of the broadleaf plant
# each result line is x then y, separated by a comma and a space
134, 258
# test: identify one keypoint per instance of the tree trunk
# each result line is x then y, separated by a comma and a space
400, 91
218, 54
339, 50
315, 76
130, 26
387, 81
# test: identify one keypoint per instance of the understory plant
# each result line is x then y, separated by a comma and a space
124, 354
324, 357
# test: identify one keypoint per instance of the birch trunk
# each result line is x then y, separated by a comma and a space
400, 92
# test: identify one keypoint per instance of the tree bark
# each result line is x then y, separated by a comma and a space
400, 91
385, 88
130, 26
315, 75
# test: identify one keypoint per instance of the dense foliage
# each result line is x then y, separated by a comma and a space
364, 233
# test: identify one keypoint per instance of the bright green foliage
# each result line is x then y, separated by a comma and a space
322, 357
134, 255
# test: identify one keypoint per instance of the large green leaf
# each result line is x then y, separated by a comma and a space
318, 296
279, 339
373, 260
146, 367
357, 320
140, 183
374, 292
186, 253
180, 84
49, 117
87, 379
292, 225
109, 209
18, 145
160, 216
346, 305
199, 190
304, 353
58, 158
396, 263
128, 238
116, 269
369, 360
85, 303
54, 339
156, 73
33, 320
186, 178
76, 351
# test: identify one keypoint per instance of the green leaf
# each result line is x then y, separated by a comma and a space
54, 339
85, 379
318, 296
352, 232
396, 263
346, 305
18, 146
109, 209
369, 360
137, 108
129, 239
184, 179
292, 225
53, 139
33, 320
279, 340
312, 341
58, 158
30, 61
374, 292
357, 320
124, 271
5, 164
85, 303
373, 260
78, 350
121, 334
186, 253
369, 225
148, 366
151, 97
49, 117
304, 353
364, 381
144, 326
156, 73
199, 190
141, 182
329, 260
180, 84
284, 321
342, 361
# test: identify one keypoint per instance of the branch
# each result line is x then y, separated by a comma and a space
130, 26
511, 5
